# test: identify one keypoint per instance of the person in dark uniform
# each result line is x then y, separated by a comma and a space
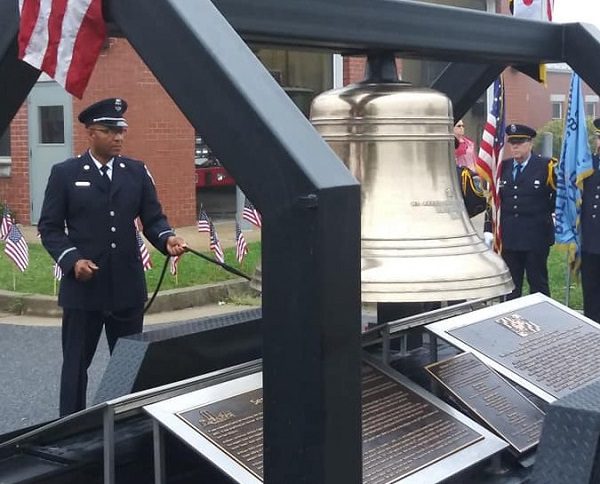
527, 187
590, 236
87, 226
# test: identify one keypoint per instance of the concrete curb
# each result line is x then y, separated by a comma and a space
171, 300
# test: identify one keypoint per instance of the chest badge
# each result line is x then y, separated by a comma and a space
536, 184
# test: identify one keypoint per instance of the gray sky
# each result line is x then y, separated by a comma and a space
587, 11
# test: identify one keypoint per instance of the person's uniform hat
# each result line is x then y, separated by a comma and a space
108, 112
519, 132
597, 126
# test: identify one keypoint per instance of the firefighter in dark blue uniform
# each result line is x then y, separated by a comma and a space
590, 237
527, 189
87, 226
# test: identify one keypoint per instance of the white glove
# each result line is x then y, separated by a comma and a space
488, 238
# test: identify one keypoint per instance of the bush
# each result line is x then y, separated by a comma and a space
556, 128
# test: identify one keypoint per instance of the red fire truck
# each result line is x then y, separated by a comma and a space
209, 172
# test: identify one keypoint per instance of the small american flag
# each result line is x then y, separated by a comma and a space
16, 248
57, 272
489, 161
203, 221
241, 248
146, 261
251, 214
173, 261
215, 244
5, 223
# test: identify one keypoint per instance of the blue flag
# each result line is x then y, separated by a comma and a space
574, 166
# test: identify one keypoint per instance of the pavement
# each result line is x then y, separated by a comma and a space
30, 343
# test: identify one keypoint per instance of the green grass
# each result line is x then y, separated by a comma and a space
37, 279
192, 270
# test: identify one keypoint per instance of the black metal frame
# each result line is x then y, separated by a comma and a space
309, 201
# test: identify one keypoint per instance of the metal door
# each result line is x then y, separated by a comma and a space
50, 137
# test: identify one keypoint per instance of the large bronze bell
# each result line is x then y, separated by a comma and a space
418, 243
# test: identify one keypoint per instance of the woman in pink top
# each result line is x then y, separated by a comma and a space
465, 148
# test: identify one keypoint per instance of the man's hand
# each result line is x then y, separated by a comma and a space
488, 238
85, 269
175, 245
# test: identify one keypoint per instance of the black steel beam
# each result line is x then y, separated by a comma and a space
16, 77
582, 44
409, 28
465, 83
311, 231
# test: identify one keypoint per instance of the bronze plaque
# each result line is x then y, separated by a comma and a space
494, 401
402, 432
543, 344
234, 425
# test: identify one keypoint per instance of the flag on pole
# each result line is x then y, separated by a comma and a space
5, 223
215, 244
16, 248
173, 262
146, 261
541, 10
533, 9
62, 38
57, 272
250, 214
489, 160
203, 221
241, 248
574, 166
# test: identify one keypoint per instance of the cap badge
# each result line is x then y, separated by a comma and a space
86, 167
118, 105
513, 128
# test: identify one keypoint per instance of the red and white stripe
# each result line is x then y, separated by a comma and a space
57, 272
62, 38
241, 247
173, 262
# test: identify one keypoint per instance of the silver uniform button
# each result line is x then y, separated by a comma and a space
515, 206
113, 229
515, 187
595, 206
516, 214
597, 196
113, 245
111, 213
516, 196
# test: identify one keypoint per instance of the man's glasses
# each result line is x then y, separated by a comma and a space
111, 131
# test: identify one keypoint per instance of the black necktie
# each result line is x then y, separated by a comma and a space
105, 178
518, 170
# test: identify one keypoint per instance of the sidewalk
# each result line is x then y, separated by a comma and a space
171, 305
196, 240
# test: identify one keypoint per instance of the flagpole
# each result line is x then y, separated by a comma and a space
54, 284
14, 280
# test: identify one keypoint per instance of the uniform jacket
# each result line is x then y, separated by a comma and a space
527, 204
590, 211
81, 218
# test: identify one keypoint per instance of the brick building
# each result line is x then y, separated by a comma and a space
46, 130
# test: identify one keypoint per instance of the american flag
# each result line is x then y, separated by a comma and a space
489, 161
146, 261
57, 272
5, 223
251, 214
173, 262
16, 248
203, 221
215, 244
62, 38
241, 248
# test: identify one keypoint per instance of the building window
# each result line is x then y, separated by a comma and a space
557, 110
590, 110
5, 144
52, 126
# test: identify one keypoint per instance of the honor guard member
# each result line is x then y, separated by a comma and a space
590, 236
87, 226
527, 188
